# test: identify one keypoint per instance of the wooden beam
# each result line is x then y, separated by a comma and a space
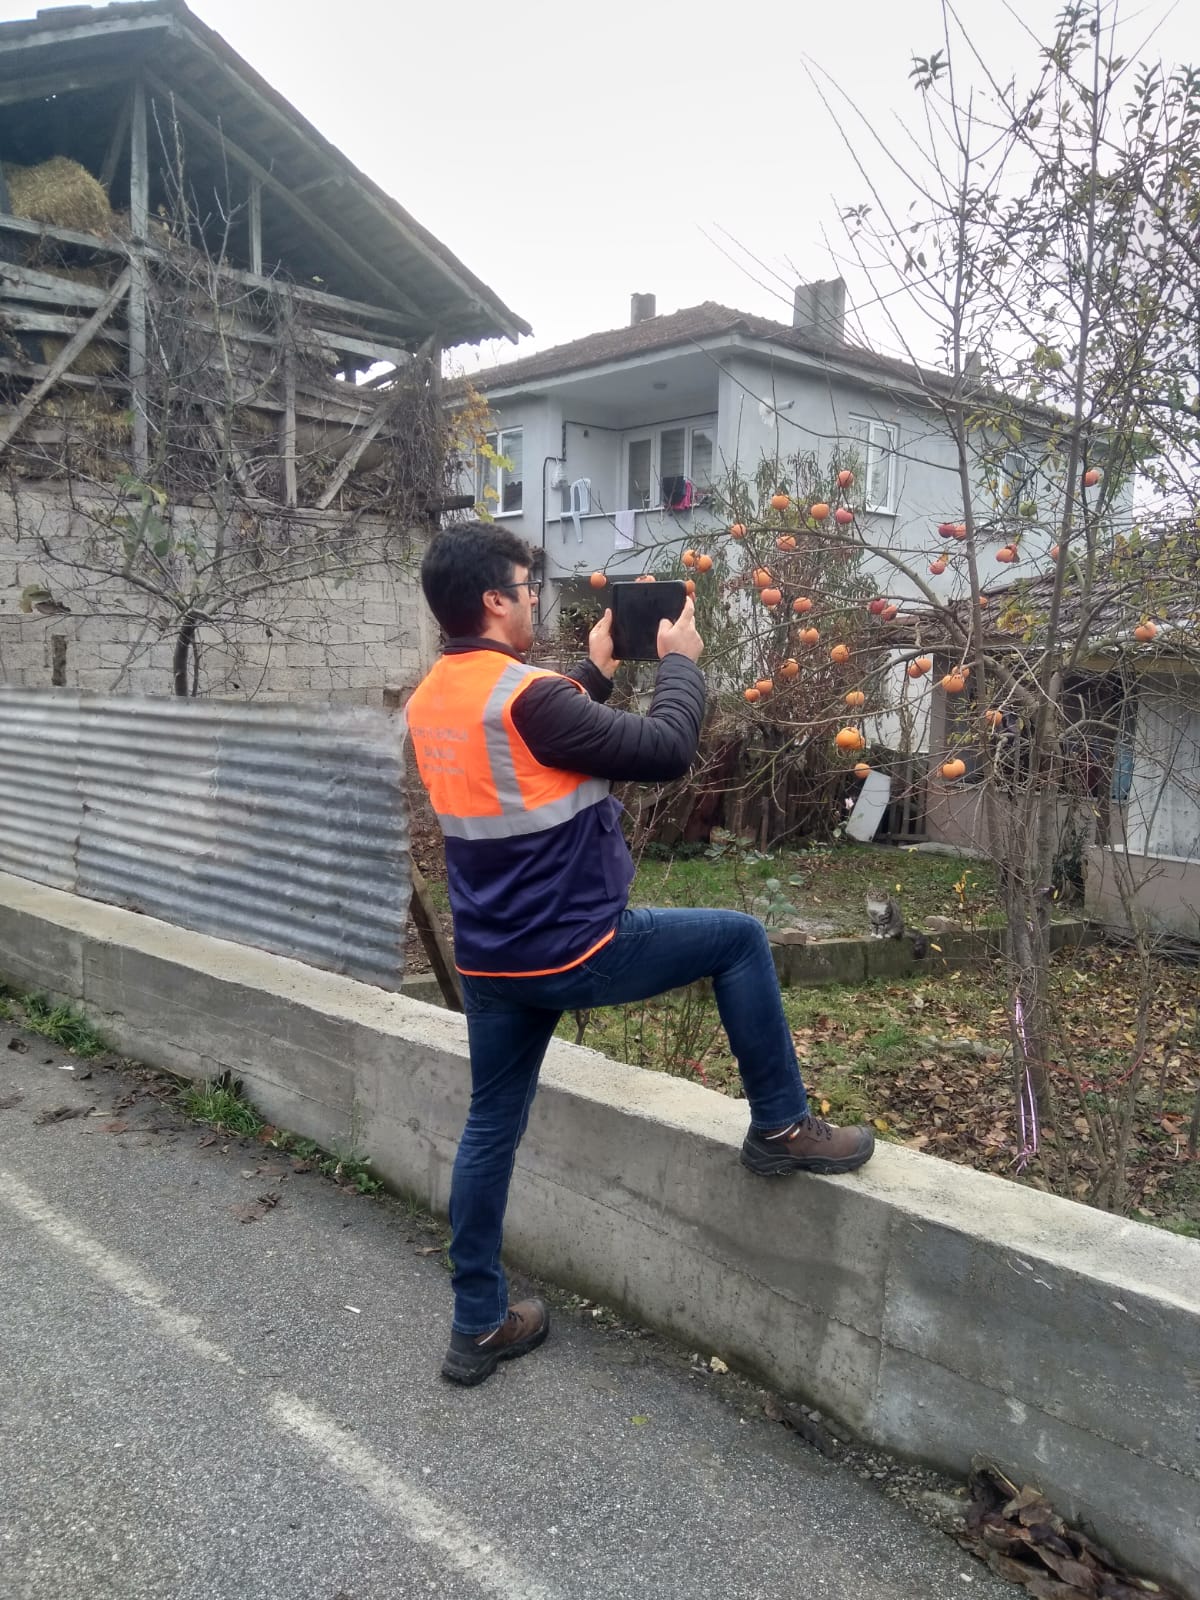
21, 90
64, 359
254, 222
437, 948
19, 282
44, 230
139, 166
139, 223
13, 368
116, 147
22, 321
301, 293
97, 26
386, 409
328, 235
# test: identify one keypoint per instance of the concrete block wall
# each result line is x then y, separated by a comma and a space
319, 640
937, 1311
825, 961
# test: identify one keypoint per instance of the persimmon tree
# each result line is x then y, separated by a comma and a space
1043, 243
1041, 635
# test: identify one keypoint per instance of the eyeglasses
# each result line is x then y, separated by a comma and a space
534, 585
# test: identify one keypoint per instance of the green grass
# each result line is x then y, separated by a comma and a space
60, 1023
222, 1108
226, 1110
825, 884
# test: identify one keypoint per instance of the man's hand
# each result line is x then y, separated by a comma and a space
680, 637
600, 646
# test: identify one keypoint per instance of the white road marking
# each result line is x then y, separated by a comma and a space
113, 1269
423, 1518
420, 1517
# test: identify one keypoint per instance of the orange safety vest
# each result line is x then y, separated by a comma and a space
538, 868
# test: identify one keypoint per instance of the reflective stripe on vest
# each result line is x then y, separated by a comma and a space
514, 815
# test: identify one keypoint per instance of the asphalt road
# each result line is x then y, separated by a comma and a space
199, 1405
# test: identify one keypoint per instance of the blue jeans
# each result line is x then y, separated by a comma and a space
510, 1022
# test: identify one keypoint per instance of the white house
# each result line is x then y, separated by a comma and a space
612, 440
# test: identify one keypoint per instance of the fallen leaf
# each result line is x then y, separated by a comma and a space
638, 1421
17, 1044
717, 1365
207, 1139
429, 1250
114, 1127
8, 1101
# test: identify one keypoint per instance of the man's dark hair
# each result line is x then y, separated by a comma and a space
461, 564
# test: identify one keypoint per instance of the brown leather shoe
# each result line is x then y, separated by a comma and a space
809, 1145
472, 1358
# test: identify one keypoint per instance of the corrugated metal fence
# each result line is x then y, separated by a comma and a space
279, 826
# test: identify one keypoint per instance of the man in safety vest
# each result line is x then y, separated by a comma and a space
518, 762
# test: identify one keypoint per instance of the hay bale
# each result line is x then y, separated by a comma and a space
60, 192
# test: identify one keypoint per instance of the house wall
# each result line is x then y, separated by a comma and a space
585, 440
814, 414
313, 641
1167, 892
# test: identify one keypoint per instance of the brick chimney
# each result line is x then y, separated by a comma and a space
641, 309
820, 309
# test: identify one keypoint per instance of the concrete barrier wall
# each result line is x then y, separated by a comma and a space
816, 962
937, 1311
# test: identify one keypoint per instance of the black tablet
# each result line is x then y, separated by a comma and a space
637, 610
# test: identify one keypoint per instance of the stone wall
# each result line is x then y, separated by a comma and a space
317, 640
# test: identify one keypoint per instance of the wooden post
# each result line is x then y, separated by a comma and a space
117, 144
254, 219
10, 249
139, 220
287, 425
425, 920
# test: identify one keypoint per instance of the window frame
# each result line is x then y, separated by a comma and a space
689, 427
483, 466
869, 446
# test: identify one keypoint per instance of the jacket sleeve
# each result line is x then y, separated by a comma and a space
566, 729
595, 684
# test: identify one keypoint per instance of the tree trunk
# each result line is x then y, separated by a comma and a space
185, 641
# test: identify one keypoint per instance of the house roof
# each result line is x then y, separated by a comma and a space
64, 78
1158, 578
692, 325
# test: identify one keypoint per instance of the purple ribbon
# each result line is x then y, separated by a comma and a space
1026, 1100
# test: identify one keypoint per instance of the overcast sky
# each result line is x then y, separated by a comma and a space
572, 155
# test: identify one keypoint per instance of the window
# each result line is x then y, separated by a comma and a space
640, 493
702, 459
1163, 811
669, 467
500, 475
877, 445
1016, 475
